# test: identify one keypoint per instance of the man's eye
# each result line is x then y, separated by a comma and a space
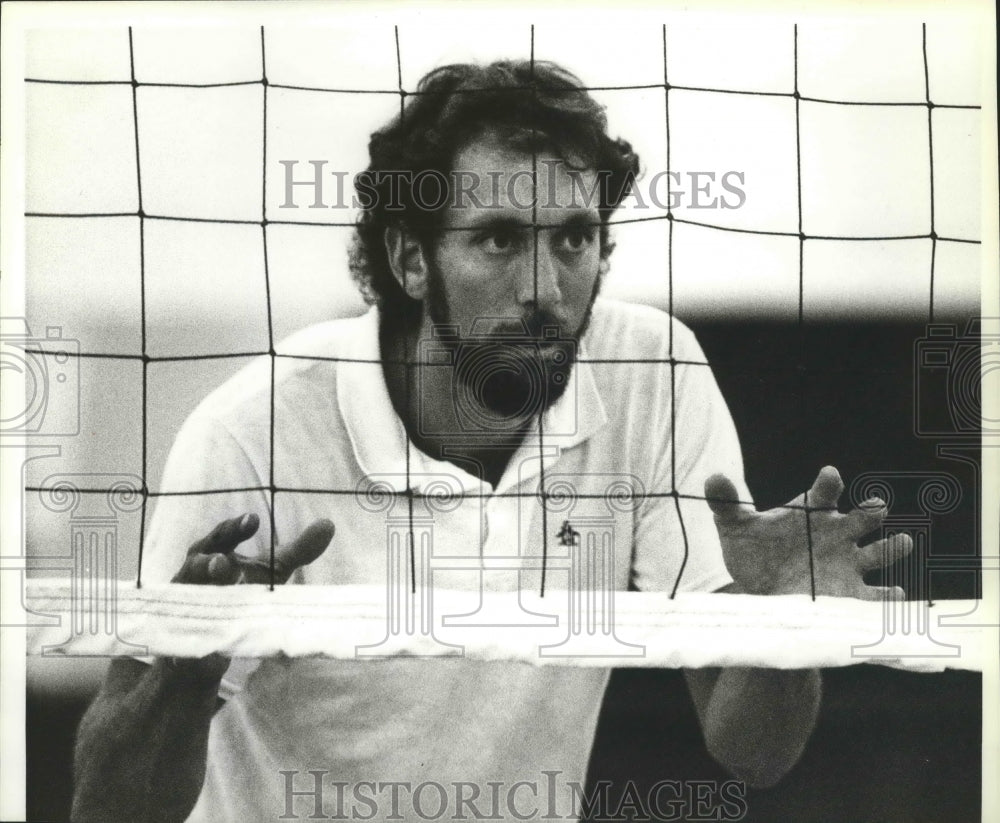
499, 242
575, 240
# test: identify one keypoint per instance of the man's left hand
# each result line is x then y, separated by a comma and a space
769, 552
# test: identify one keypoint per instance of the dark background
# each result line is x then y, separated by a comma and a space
890, 746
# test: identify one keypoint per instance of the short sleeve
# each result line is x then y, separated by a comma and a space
676, 543
208, 478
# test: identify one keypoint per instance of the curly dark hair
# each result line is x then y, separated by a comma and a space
533, 106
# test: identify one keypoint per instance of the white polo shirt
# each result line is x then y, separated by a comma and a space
610, 457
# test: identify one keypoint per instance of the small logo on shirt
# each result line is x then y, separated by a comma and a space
568, 536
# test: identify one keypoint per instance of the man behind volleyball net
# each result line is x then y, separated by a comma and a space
489, 363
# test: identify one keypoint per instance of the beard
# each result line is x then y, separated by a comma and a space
506, 370
511, 374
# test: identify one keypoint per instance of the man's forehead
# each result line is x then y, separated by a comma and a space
489, 174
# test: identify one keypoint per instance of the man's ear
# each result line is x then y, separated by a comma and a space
407, 261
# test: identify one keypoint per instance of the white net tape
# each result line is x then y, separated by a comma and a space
632, 629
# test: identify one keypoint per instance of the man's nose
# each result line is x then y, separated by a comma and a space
538, 282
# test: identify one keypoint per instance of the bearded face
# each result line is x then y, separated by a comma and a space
509, 286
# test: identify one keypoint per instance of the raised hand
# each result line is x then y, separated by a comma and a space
141, 747
212, 561
769, 552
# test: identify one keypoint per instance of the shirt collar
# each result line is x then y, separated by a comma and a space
380, 442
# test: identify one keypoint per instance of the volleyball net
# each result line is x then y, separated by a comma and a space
198, 185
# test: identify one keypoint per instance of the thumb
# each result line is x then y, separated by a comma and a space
306, 547
724, 499
300, 552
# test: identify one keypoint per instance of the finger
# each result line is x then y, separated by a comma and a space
826, 489
884, 553
882, 593
227, 535
865, 518
223, 570
215, 569
724, 499
300, 552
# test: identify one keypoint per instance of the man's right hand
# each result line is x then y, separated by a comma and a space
141, 747
213, 561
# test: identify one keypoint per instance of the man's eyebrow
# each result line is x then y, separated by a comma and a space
578, 218
581, 218
495, 221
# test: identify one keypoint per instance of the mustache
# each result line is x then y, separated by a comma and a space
539, 325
